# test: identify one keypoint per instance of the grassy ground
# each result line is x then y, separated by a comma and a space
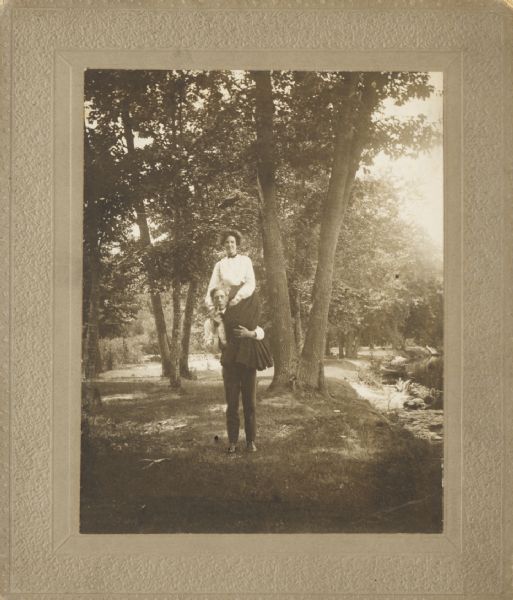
151, 464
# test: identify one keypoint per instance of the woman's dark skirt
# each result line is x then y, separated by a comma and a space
247, 351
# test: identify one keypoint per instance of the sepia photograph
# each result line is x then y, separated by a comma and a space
262, 302
256, 313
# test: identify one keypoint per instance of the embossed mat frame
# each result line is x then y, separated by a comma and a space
48, 45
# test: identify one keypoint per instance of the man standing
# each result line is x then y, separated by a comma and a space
241, 353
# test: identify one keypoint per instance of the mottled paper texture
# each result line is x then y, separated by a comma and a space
47, 45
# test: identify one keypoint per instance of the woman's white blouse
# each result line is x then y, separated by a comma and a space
232, 270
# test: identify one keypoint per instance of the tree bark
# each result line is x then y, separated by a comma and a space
352, 345
145, 240
190, 305
92, 327
298, 325
295, 284
282, 341
99, 362
156, 300
91, 359
327, 347
174, 376
341, 344
353, 123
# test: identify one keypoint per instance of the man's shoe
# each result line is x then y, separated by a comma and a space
232, 449
251, 447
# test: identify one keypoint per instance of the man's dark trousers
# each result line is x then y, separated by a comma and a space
240, 380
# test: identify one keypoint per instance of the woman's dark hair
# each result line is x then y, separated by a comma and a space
231, 232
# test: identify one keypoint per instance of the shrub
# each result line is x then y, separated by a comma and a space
371, 375
121, 351
429, 372
150, 343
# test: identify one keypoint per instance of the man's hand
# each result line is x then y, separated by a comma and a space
242, 332
217, 318
234, 301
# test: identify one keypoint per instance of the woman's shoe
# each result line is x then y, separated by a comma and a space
232, 449
251, 447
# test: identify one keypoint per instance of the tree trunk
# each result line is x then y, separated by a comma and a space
341, 344
190, 305
92, 326
156, 300
351, 345
282, 341
327, 351
298, 274
353, 123
298, 325
99, 362
86, 294
356, 345
91, 358
174, 376
145, 240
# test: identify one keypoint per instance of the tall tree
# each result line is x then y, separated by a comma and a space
105, 221
117, 109
145, 240
352, 126
91, 356
274, 256
190, 304
174, 374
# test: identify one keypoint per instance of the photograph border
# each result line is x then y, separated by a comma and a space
50, 49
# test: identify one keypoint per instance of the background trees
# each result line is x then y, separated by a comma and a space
172, 157
348, 134
388, 276
153, 125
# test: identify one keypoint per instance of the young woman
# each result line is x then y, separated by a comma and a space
234, 274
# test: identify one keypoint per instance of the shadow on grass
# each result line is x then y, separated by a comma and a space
151, 463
